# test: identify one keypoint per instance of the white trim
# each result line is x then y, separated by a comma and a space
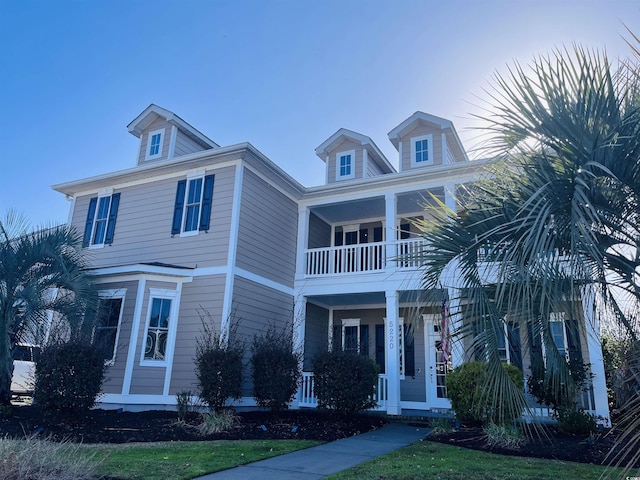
72, 207
171, 341
240, 272
191, 177
150, 135
142, 269
352, 165
413, 140
445, 150
227, 302
172, 141
133, 340
330, 328
326, 173
112, 294
365, 161
107, 193
400, 156
161, 294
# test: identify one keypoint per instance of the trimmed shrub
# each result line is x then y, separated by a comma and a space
575, 421
219, 369
275, 368
465, 389
344, 382
68, 377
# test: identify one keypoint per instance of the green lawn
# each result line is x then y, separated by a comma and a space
445, 462
185, 460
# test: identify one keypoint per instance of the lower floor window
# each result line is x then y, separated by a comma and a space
158, 329
105, 336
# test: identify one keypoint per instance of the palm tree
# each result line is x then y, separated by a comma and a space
41, 275
556, 218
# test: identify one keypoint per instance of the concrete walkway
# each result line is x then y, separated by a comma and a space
318, 462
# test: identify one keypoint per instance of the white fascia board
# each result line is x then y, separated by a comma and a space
141, 269
400, 129
154, 171
437, 175
138, 124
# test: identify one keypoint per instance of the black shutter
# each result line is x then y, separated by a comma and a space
409, 352
364, 340
88, 226
178, 207
380, 360
207, 200
113, 214
337, 238
337, 338
537, 361
515, 349
573, 341
377, 234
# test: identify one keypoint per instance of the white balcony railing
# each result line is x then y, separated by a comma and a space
364, 257
308, 397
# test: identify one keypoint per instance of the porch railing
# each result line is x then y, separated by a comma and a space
364, 257
308, 396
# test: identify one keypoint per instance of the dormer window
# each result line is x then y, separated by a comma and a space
154, 144
345, 165
422, 151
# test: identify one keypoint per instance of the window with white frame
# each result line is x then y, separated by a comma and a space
157, 331
345, 165
559, 333
192, 209
351, 335
422, 150
101, 220
155, 140
109, 318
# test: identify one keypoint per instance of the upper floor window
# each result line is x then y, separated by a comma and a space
101, 220
154, 144
192, 209
345, 165
422, 150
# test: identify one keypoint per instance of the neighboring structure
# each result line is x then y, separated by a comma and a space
197, 229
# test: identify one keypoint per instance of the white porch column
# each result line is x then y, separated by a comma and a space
303, 242
390, 232
450, 196
299, 327
592, 329
391, 354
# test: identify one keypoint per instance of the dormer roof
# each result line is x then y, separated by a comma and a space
153, 112
442, 123
344, 134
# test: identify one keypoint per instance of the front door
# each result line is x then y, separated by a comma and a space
436, 368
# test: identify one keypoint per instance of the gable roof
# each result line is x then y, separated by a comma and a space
344, 134
421, 117
153, 112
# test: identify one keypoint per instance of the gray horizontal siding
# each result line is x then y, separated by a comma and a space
143, 226
319, 232
201, 301
257, 307
342, 147
186, 145
267, 232
316, 336
422, 129
157, 124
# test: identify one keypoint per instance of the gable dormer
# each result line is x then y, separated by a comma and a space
423, 140
349, 155
164, 135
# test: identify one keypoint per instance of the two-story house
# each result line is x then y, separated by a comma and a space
195, 229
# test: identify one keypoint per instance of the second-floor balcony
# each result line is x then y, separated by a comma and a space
363, 258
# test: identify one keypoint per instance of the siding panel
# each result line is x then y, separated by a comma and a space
143, 228
267, 232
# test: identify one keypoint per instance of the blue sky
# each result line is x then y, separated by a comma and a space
283, 75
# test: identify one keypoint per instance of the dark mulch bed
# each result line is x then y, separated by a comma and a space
112, 426
557, 445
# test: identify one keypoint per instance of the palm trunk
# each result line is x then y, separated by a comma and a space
6, 361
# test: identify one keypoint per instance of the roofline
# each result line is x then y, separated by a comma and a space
170, 117
442, 122
363, 139
176, 164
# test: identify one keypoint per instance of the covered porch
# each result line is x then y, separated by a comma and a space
399, 330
